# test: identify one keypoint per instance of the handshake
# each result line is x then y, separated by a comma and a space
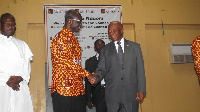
92, 78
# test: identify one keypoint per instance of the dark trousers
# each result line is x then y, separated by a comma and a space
121, 108
101, 105
68, 103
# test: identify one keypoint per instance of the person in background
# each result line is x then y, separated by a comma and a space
68, 92
196, 55
122, 67
15, 69
95, 94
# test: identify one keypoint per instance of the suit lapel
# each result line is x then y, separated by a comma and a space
113, 50
126, 51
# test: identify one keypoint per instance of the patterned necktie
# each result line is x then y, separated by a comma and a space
120, 53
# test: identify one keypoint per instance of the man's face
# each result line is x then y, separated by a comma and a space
76, 23
99, 45
8, 26
115, 31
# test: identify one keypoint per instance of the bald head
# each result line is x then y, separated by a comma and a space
116, 22
73, 20
115, 31
70, 14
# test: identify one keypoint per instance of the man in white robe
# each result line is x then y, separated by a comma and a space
15, 57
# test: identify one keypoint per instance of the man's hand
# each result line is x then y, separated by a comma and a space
92, 78
140, 96
14, 81
89, 104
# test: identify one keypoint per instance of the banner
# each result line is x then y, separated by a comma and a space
95, 26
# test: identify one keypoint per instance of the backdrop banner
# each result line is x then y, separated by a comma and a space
95, 26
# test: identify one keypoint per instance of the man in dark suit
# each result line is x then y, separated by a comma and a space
95, 94
121, 65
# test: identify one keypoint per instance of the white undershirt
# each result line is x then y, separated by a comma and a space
102, 81
122, 44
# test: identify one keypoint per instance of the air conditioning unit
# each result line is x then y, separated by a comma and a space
180, 53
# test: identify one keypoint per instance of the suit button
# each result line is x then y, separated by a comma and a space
122, 78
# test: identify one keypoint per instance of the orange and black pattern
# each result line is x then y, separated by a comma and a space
196, 54
67, 71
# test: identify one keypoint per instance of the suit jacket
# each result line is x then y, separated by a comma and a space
95, 91
122, 81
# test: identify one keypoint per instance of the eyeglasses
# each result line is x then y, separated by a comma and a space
76, 20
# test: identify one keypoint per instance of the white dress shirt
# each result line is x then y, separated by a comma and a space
97, 56
122, 44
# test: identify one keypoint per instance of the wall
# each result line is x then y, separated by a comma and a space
170, 87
